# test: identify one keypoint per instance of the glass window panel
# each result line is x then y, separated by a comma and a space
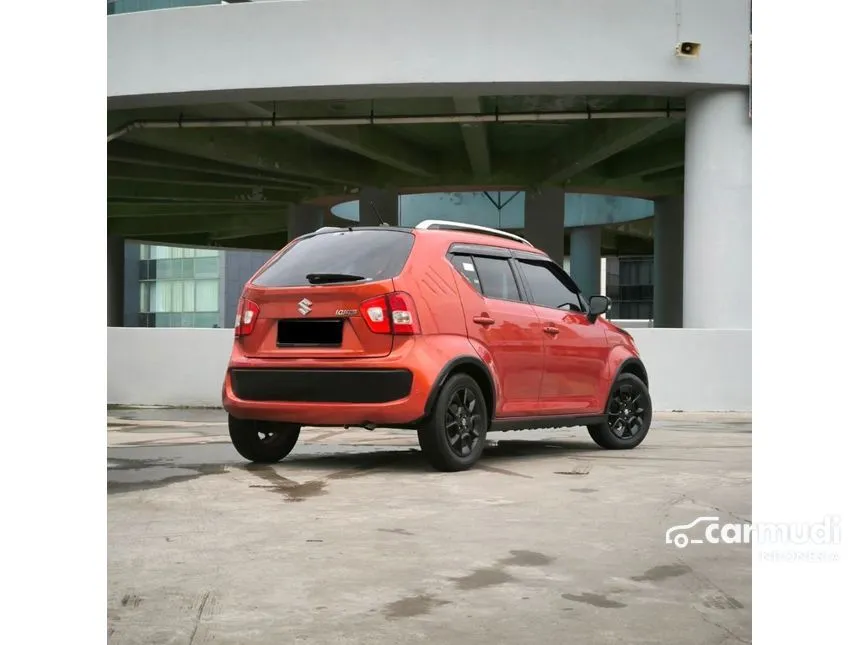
186, 320
206, 320
187, 268
206, 296
144, 251
206, 267
550, 285
176, 297
160, 303
158, 253
188, 295
207, 253
497, 278
144, 297
188, 252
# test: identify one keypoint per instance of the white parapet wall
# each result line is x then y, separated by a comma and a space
694, 370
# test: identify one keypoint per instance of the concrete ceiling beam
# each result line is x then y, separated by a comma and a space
295, 156
123, 151
152, 174
366, 141
240, 224
147, 209
646, 160
474, 136
123, 188
600, 141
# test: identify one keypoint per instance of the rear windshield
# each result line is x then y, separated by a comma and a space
377, 254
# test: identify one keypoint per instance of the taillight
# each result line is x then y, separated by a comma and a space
391, 314
246, 317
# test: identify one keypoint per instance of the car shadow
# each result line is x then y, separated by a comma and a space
410, 459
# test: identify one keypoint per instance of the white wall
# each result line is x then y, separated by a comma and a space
689, 369
349, 49
167, 366
698, 370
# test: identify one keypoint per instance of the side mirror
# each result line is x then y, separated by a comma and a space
597, 306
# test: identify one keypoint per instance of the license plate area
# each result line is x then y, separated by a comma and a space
310, 332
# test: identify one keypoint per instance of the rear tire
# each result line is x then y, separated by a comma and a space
263, 442
453, 436
628, 415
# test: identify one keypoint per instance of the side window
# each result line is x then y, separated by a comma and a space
464, 264
549, 289
497, 278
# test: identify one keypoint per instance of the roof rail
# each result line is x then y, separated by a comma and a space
444, 225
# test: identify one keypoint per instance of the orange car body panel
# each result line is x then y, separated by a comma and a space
533, 373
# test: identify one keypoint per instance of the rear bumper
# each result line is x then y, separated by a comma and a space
386, 391
300, 385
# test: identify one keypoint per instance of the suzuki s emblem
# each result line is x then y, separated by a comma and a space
305, 306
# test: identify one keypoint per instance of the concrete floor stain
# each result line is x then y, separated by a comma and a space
482, 578
291, 491
662, 572
595, 600
398, 531
527, 559
413, 606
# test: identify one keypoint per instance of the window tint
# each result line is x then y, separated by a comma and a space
465, 265
372, 254
497, 278
550, 287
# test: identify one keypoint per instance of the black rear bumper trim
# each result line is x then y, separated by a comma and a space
321, 385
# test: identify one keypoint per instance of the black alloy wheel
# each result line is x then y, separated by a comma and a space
453, 435
628, 415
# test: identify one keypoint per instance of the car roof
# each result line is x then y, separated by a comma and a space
478, 238
461, 236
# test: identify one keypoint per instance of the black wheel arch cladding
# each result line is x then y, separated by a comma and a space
471, 366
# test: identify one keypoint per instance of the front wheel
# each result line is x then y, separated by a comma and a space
265, 442
628, 415
453, 436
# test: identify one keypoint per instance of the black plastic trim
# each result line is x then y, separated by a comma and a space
321, 385
449, 367
632, 361
479, 250
554, 421
627, 361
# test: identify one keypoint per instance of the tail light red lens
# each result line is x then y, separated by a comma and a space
246, 317
393, 313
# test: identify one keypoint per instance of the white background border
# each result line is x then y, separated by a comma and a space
52, 267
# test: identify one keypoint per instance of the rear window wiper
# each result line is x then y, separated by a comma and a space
323, 278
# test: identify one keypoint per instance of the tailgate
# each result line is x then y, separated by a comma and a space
320, 321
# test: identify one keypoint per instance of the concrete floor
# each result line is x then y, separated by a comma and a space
354, 540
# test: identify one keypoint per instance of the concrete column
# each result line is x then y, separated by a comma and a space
303, 219
115, 280
669, 262
385, 203
717, 211
544, 221
585, 259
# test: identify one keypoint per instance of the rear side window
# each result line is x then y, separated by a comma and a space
497, 278
492, 277
466, 266
377, 254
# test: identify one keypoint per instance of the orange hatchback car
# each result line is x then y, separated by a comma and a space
449, 329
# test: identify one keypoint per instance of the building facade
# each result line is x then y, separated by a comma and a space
174, 286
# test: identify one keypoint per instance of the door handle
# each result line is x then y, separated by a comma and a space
552, 331
484, 320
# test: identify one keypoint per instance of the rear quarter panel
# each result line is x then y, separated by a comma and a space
429, 279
